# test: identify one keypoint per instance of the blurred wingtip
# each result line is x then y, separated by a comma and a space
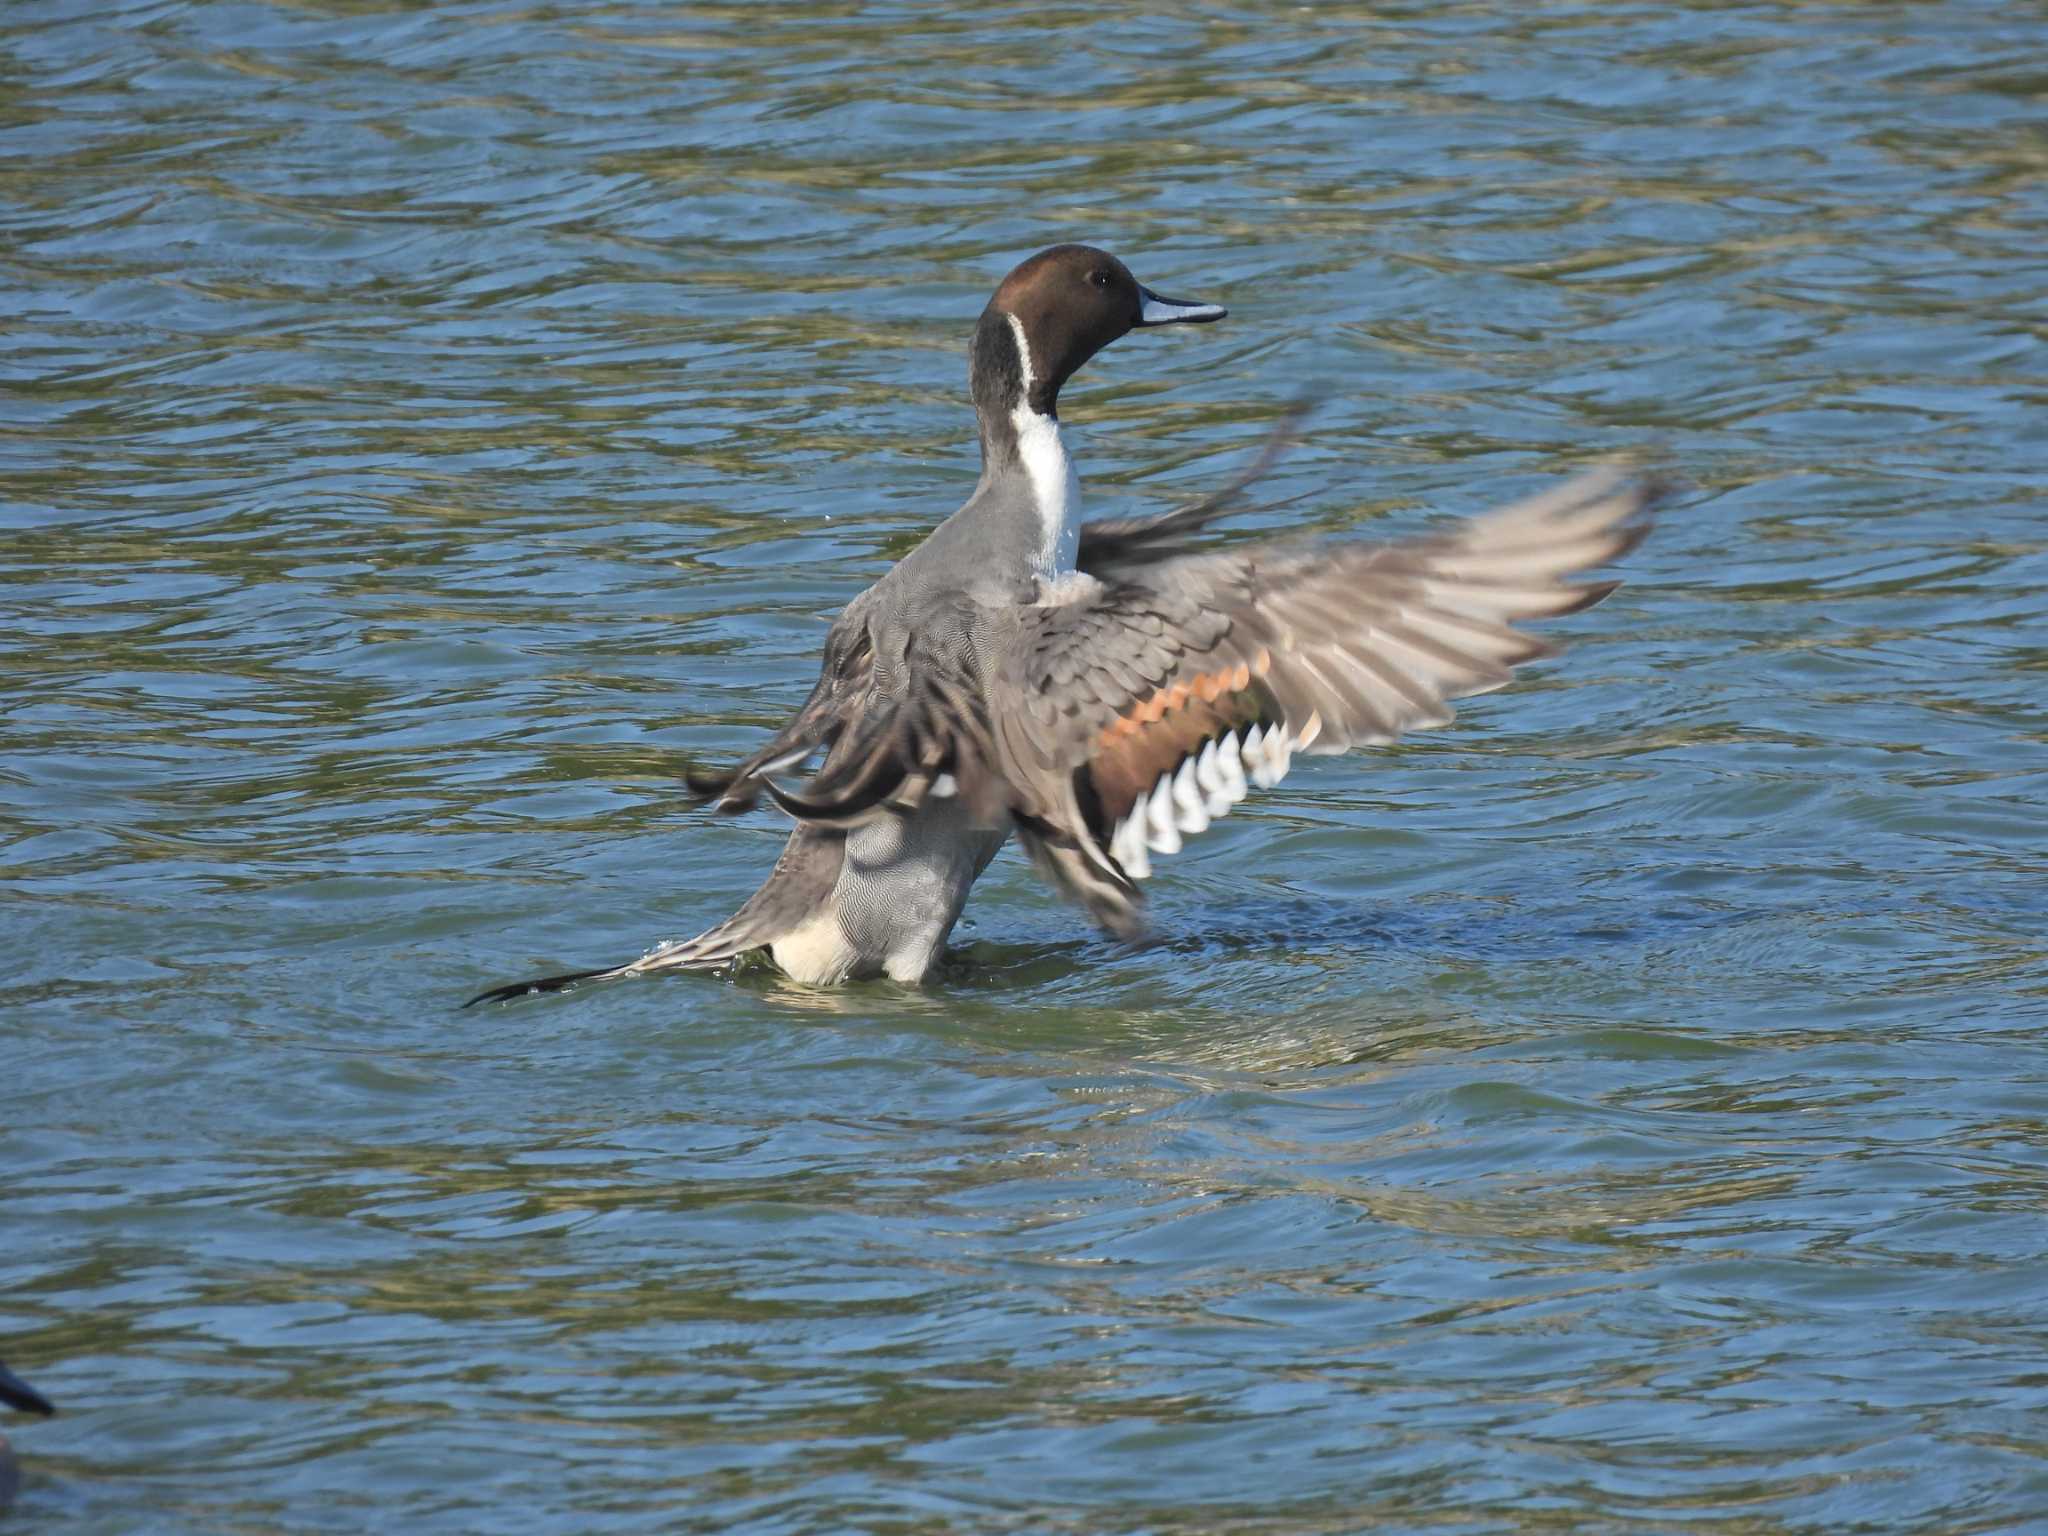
17, 1393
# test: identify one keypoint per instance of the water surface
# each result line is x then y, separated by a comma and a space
424, 426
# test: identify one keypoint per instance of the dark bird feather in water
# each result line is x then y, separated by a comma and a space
16, 1393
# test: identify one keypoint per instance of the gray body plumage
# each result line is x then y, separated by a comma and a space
879, 898
900, 890
1102, 691
904, 878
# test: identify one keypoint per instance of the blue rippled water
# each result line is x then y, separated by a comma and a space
424, 426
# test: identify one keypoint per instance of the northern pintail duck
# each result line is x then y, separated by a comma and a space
1102, 690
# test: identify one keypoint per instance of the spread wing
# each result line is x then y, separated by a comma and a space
1135, 705
901, 709
844, 683
1135, 715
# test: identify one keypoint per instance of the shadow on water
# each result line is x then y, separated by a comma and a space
1246, 929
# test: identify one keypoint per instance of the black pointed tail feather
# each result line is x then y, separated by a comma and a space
16, 1393
708, 951
542, 984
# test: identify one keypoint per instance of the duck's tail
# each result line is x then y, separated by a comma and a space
801, 883
715, 947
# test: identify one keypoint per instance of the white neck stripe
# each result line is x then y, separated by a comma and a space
1023, 354
1055, 489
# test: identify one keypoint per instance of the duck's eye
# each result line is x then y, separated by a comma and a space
1099, 277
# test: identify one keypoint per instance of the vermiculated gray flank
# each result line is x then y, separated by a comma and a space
1101, 691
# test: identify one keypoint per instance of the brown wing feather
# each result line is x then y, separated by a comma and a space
1169, 725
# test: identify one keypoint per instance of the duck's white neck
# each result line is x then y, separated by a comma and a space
1055, 488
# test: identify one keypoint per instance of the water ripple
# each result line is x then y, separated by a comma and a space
428, 426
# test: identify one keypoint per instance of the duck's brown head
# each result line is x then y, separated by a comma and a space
1051, 315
